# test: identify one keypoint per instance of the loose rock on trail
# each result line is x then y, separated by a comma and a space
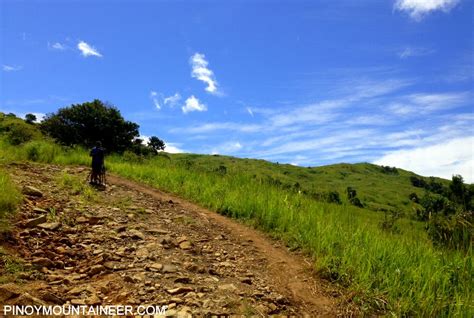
134, 245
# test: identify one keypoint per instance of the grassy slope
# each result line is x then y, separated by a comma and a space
402, 273
377, 190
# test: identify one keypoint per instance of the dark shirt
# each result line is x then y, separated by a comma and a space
97, 155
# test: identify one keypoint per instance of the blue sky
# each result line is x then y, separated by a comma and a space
301, 82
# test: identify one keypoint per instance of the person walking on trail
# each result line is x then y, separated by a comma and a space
97, 154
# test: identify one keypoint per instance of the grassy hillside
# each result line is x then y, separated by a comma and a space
399, 272
378, 189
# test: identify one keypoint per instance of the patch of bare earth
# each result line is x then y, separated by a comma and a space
135, 245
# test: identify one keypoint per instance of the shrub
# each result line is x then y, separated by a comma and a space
389, 170
454, 231
414, 197
390, 220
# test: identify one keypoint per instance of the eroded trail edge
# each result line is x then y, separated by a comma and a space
134, 244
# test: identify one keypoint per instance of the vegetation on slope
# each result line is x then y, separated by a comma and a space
400, 272
10, 197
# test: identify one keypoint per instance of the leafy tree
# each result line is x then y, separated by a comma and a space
85, 124
156, 144
30, 118
459, 193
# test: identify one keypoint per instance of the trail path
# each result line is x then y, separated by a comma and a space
133, 244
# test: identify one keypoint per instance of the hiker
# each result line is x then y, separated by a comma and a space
98, 168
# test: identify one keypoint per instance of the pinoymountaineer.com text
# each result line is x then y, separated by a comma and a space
83, 310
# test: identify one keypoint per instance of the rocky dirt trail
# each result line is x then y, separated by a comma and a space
134, 245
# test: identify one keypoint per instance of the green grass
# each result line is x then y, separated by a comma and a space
401, 273
10, 198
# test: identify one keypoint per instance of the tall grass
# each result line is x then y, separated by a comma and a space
402, 274
10, 197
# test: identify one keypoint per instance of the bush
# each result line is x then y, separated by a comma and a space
454, 231
418, 182
389, 222
414, 197
389, 170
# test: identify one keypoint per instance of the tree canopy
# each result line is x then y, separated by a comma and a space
85, 124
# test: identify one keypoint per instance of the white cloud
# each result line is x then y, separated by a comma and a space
226, 148
193, 104
155, 99
422, 103
444, 159
87, 50
57, 46
172, 100
145, 139
11, 68
414, 51
212, 127
249, 110
173, 148
201, 72
417, 9
169, 147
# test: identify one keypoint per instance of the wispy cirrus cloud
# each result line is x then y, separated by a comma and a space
88, 50
414, 52
201, 71
423, 103
417, 9
11, 68
227, 147
193, 104
213, 127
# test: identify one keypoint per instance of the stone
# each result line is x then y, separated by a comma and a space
227, 287
40, 211
183, 280
176, 300
96, 269
142, 252
186, 245
95, 219
32, 191
246, 280
81, 220
135, 234
179, 290
49, 226
114, 265
93, 300
169, 268
27, 300
9, 291
78, 301
43, 262
181, 239
52, 298
154, 267
36, 221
